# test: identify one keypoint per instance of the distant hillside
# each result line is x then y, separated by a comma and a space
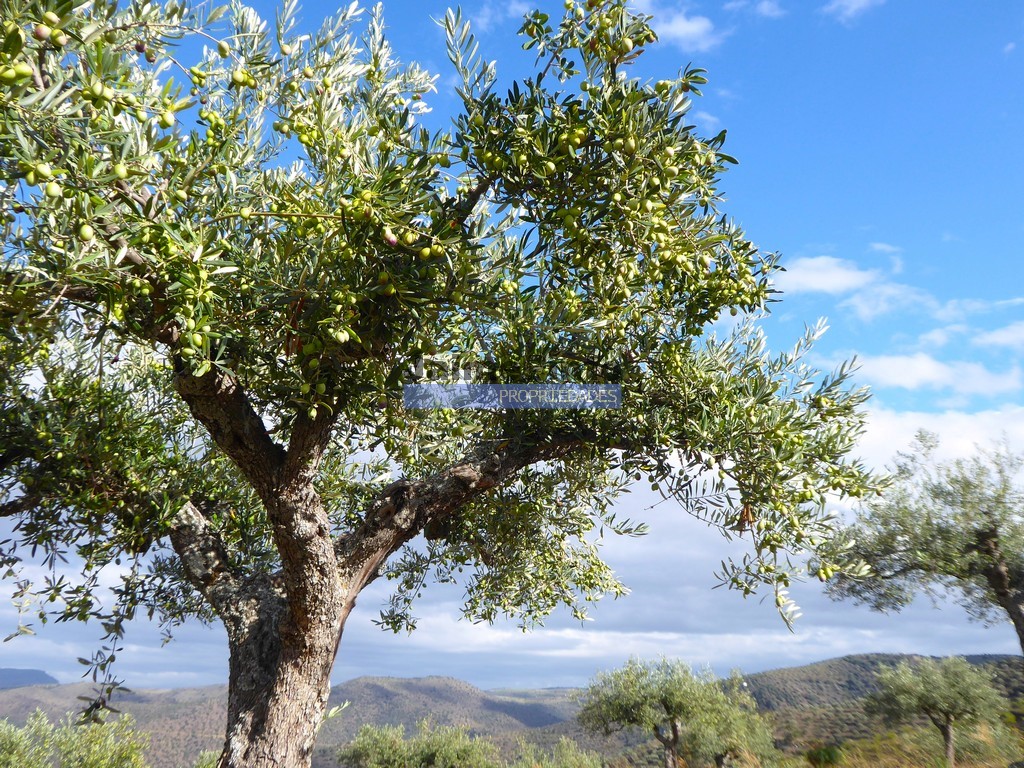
835, 681
823, 702
18, 678
816, 702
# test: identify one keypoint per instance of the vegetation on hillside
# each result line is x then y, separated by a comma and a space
824, 705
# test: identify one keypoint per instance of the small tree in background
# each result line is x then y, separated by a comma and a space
385, 746
658, 698
689, 714
949, 692
941, 526
824, 757
566, 754
727, 726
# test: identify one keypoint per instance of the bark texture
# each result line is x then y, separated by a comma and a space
1005, 580
949, 743
670, 742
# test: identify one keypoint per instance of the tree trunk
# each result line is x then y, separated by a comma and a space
1004, 579
670, 741
947, 739
279, 682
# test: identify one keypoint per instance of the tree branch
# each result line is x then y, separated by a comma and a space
406, 507
18, 506
309, 440
218, 401
204, 557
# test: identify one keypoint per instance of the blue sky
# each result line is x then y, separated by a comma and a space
880, 152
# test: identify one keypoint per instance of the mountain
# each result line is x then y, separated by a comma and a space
817, 702
18, 678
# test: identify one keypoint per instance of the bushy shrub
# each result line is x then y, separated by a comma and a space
42, 744
824, 757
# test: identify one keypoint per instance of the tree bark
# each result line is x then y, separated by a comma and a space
1004, 579
279, 684
670, 741
284, 628
947, 740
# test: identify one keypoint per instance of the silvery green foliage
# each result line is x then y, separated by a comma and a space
268, 216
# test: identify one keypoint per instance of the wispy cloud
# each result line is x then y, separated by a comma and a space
690, 33
770, 9
1009, 48
823, 274
885, 248
957, 309
940, 337
1009, 336
492, 13
847, 10
707, 121
883, 298
923, 371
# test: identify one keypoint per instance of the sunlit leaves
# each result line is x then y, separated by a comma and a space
267, 206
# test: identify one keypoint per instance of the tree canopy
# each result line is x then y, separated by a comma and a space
229, 245
949, 692
708, 720
956, 526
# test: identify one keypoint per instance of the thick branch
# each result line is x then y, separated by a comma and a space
309, 440
218, 401
18, 506
1006, 582
406, 507
204, 557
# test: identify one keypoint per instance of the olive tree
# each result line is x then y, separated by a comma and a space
229, 245
949, 692
691, 714
727, 726
952, 527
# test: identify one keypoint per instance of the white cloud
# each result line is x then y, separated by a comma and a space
922, 371
692, 34
960, 432
770, 9
1009, 48
940, 337
847, 10
1009, 336
882, 298
885, 248
960, 308
823, 274
709, 122
493, 13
